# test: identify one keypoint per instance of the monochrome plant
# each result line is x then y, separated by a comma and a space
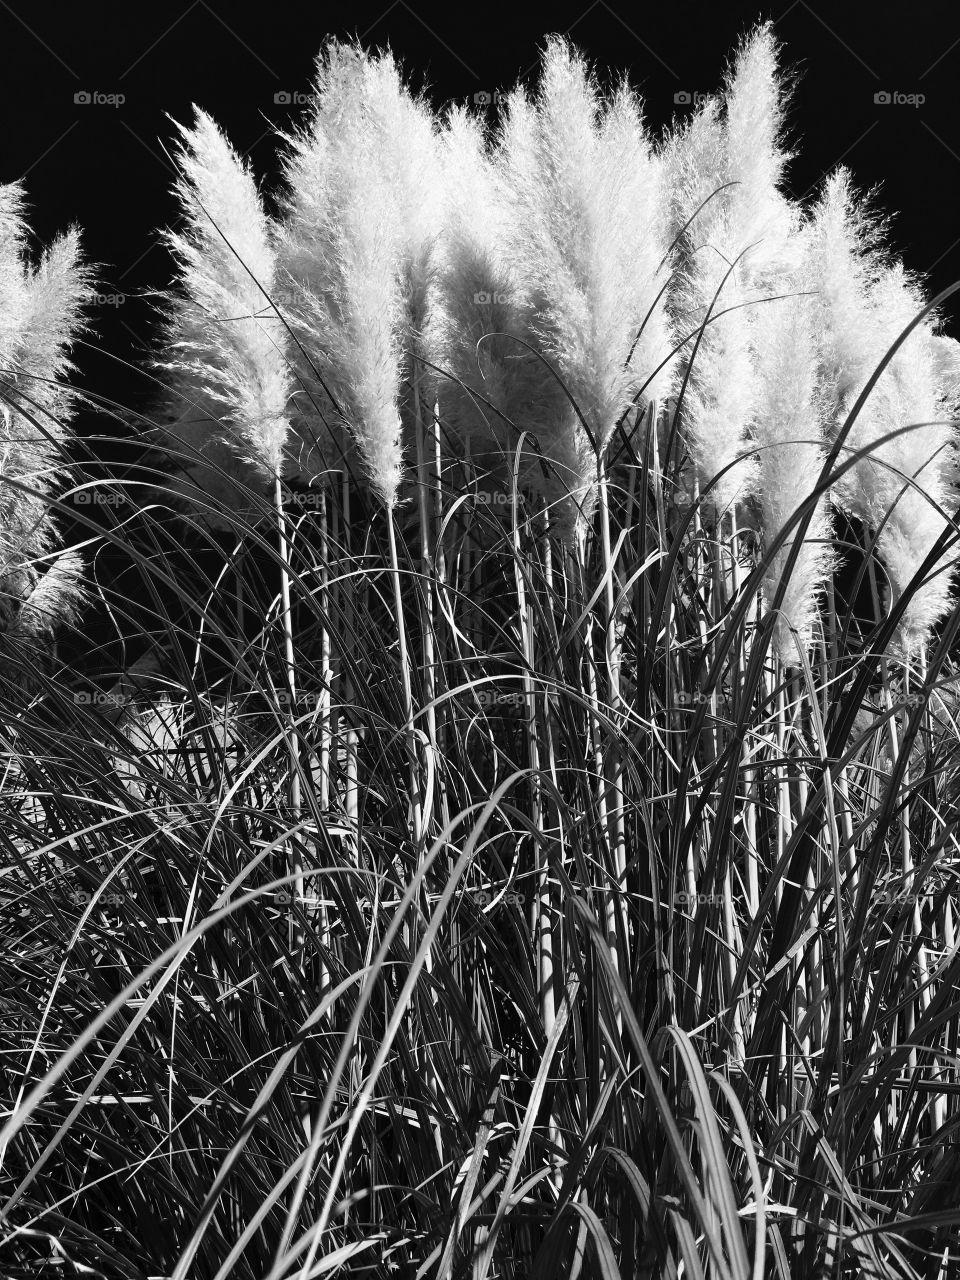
507, 843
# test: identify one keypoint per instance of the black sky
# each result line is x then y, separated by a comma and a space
103, 166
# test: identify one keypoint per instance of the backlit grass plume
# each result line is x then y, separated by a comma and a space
762, 216
865, 302
788, 428
847, 256
587, 235
12, 288
734, 252
42, 317
361, 211
915, 515
55, 601
477, 331
228, 365
719, 397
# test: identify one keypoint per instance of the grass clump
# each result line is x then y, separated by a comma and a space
511, 847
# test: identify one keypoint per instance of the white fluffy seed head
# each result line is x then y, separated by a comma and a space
227, 342
788, 429
587, 233
41, 318
763, 218
55, 600
477, 311
901, 485
910, 394
743, 244
13, 231
357, 250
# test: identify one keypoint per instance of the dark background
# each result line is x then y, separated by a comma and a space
104, 166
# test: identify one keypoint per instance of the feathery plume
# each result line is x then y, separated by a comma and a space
55, 600
763, 219
43, 320
477, 323
865, 303
12, 237
212, 479
789, 463
735, 163
587, 231
718, 401
229, 343
846, 258
912, 395
356, 248
945, 354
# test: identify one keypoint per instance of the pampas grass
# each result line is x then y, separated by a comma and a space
866, 302
914, 514
718, 398
789, 464
42, 317
737, 239
477, 330
225, 362
587, 234
355, 250
517, 895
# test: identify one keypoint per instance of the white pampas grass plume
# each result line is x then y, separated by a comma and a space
910, 394
44, 318
587, 231
56, 292
56, 599
750, 223
362, 214
845, 260
760, 214
227, 342
718, 401
865, 302
477, 328
945, 354
789, 464
12, 236
211, 480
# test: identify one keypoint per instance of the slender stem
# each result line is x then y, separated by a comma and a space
293, 857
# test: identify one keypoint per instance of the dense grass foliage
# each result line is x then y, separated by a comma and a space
496, 856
